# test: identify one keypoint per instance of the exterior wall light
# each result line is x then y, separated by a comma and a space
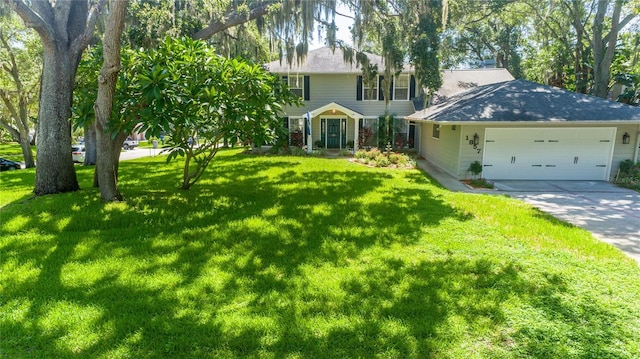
476, 139
626, 138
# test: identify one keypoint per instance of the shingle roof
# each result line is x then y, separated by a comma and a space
520, 100
324, 60
456, 81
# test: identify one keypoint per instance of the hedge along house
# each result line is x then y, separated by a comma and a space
526, 131
338, 100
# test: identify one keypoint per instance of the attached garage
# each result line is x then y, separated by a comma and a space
520, 130
548, 153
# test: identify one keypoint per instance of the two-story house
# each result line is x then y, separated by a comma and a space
337, 98
341, 103
514, 128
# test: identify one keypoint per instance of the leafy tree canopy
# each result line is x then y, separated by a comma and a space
199, 99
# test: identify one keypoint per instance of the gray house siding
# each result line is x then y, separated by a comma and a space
621, 151
341, 88
444, 151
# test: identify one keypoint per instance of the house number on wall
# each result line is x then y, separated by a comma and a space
475, 147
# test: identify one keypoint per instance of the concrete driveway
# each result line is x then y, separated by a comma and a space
611, 213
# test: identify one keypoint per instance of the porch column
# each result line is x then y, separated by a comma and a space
356, 133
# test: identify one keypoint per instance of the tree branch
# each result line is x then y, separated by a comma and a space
7, 101
620, 26
32, 19
345, 15
81, 42
14, 133
232, 19
13, 70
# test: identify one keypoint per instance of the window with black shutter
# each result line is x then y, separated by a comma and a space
307, 89
412, 87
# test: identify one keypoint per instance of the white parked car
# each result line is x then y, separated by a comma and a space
130, 144
77, 152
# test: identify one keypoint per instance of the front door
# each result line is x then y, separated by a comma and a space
333, 133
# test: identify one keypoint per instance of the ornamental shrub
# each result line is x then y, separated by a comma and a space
382, 161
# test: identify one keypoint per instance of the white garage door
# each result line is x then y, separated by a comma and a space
548, 153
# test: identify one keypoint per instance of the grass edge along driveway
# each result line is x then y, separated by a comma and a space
291, 257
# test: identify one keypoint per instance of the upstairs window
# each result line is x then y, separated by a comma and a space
298, 84
401, 88
436, 131
369, 92
295, 83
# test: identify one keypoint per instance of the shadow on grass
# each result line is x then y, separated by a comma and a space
266, 257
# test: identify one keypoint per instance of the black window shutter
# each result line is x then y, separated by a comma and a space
391, 95
285, 122
380, 90
359, 89
306, 132
412, 87
307, 93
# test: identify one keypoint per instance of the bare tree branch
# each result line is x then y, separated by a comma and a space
232, 19
621, 25
14, 133
32, 19
80, 43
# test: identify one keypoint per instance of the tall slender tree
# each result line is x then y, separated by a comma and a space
604, 40
109, 143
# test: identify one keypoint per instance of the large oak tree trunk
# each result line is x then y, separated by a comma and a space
55, 172
65, 27
108, 148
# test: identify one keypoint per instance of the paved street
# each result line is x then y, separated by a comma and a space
138, 153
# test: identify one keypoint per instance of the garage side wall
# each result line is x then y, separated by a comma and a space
621, 151
444, 151
468, 152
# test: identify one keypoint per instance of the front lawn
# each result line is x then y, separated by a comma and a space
12, 151
292, 257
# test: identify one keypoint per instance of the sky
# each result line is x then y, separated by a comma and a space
343, 23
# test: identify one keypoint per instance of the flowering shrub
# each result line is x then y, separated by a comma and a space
364, 136
296, 139
375, 157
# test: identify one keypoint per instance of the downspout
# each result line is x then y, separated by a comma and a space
635, 152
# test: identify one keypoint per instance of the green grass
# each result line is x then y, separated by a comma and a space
290, 257
12, 151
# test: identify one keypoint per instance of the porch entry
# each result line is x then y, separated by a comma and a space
333, 132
